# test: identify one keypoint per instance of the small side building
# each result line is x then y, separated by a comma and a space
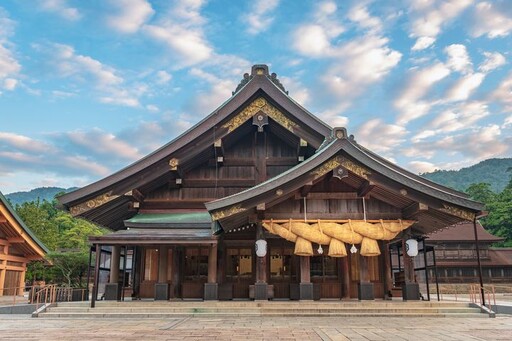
457, 259
18, 247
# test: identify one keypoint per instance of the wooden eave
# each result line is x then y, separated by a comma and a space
194, 141
391, 184
21, 236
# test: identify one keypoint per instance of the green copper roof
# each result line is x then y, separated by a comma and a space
171, 218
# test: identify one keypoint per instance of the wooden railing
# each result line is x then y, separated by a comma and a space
40, 295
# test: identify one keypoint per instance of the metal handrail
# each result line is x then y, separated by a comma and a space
43, 294
475, 290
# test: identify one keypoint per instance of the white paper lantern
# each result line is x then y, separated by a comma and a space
261, 248
411, 247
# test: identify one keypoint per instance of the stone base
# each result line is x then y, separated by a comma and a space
161, 291
306, 291
211, 291
365, 291
411, 291
112, 292
260, 291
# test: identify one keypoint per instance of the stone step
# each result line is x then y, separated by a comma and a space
217, 315
257, 310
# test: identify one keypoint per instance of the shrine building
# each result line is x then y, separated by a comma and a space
262, 200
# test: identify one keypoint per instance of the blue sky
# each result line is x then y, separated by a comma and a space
88, 87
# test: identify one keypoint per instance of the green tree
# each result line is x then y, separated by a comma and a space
69, 267
38, 217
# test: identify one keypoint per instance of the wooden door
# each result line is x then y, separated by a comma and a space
283, 270
240, 270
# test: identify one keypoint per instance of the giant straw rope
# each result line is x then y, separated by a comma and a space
336, 234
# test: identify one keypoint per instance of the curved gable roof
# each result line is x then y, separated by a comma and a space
36, 246
260, 83
338, 148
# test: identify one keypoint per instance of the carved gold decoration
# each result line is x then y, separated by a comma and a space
260, 104
92, 203
327, 167
458, 212
356, 169
173, 163
227, 212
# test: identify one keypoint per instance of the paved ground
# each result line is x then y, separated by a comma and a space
14, 327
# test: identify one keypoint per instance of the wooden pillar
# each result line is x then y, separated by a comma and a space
261, 262
388, 281
3, 270
163, 256
212, 264
176, 270
363, 270
305, 269
408, 263
345, 269
365, 288
114, 264
96, 276
21, 286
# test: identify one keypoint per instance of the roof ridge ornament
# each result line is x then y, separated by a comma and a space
259, 70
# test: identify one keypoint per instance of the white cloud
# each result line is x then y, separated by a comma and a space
152, 108
429, 16
99, 142
61, 8
458, 58
313, 39
422, 43
259, 17
423, 134
9, 65
410, 103
492, 19
507, 122
492, 61
10, 84
24, 143
503, 92
110, 86
465, 86
379, 136
421, 167
163, 77
360, 15
183, 32
460, 117
130, 16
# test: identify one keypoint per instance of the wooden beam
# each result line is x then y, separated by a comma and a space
365, 188
3, 219
197, 183
136, 195
173, 204
16, 240
306, 189
414, 209
260, 209
219, 149
328, 195
13, 258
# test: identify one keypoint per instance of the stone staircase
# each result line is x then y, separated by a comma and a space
169, 309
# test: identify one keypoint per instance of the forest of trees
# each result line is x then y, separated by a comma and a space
65, 236
499, 208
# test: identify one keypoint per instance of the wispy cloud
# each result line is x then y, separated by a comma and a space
492, 61
379, 136
9, 65
429, 17
130, 15
61, 8
259, 17
503, 92
183, 33
108, 83
492, 19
